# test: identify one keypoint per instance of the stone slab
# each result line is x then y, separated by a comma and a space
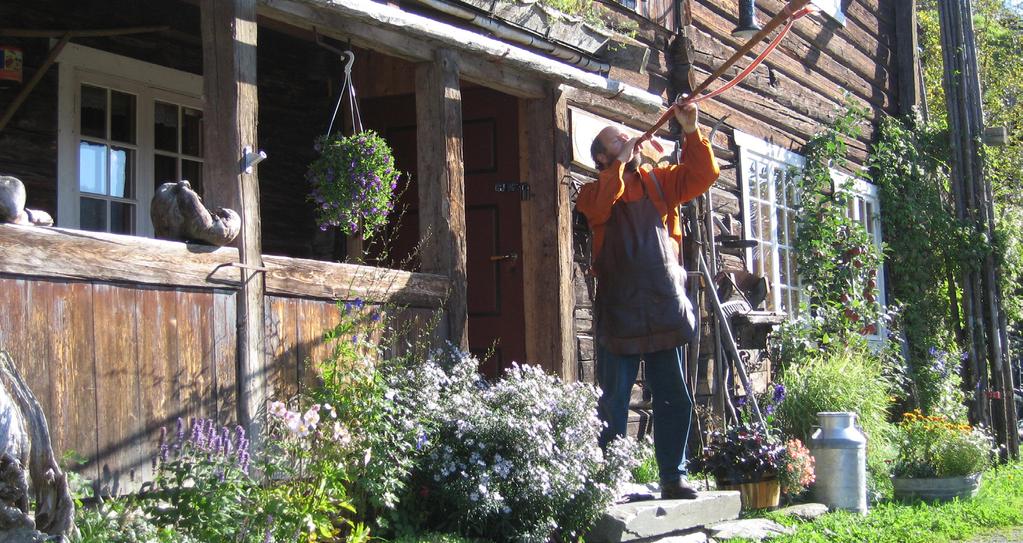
756, 529
804, 511
656, 519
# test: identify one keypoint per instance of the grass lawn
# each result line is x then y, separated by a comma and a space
998, 504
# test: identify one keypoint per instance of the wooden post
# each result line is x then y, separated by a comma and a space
442, 183
910, 86
549, 301
230, 118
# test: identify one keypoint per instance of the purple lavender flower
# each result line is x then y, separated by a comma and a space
779, 393
179, 430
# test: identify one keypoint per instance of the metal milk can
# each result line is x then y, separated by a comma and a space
839, 450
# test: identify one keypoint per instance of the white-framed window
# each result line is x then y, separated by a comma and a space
769, 197
125, 126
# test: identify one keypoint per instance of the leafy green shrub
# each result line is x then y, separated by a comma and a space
934, 446
646, 469
849, 380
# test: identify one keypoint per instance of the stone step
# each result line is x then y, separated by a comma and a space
653, 520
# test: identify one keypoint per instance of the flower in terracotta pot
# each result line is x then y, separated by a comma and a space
743, 454
353, 182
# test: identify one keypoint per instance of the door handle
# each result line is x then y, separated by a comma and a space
510, 256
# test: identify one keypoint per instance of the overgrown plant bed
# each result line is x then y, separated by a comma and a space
999, 504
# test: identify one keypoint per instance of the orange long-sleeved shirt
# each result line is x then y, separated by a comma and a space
680, 183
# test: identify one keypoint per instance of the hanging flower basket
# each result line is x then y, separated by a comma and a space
353, 183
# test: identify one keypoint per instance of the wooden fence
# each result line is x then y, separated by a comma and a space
118, 336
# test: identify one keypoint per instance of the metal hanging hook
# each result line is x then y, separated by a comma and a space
348, 63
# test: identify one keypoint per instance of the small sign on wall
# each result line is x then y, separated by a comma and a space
585, 126
833, 8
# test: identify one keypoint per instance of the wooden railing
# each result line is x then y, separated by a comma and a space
118, 336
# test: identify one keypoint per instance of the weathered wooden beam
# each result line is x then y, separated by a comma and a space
93, 256
549, 301
328, 22
910, 87
442, 183
231, 113
410, 36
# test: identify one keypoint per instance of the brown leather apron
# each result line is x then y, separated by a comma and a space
641, 303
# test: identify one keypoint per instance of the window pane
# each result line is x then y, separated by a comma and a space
754, 220
751, 179
165, 124
192, 171
765, 223
779, 188
122, 117
780, 221
191, 132
868, 217
94, 112
122, 173
93, 215
92, 167
122, 218
783, 266
763, 180
791, 239
165, 169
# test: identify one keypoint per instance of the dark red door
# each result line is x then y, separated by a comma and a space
493, 219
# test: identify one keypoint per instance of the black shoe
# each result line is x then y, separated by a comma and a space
677, 490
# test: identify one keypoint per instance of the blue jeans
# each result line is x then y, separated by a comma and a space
673, 409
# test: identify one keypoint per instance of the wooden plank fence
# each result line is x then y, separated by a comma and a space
115, 357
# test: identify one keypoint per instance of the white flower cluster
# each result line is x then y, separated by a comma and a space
516, 459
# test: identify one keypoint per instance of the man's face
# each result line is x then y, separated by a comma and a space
614, 140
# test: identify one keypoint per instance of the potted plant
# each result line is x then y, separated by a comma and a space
353, 182
938, 459
746, 459
796, 471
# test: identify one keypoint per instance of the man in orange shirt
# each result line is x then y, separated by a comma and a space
641, 308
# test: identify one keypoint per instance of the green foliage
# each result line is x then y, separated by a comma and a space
933, 446
848, 380
998, 32
353, 183
646, 470
837, 258
999, 503
927, 247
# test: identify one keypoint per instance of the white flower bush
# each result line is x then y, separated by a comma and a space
515, 460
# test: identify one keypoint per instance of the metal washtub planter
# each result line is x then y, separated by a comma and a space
839, 450
938, 489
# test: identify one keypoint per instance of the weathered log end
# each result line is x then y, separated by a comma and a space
25, 442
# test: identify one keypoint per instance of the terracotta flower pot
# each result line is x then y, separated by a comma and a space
759, 495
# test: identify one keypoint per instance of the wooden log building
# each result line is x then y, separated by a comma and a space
490, 107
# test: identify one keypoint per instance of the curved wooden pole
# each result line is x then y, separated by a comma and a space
794, 9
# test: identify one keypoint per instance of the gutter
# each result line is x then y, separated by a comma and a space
488, 49
503, 30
